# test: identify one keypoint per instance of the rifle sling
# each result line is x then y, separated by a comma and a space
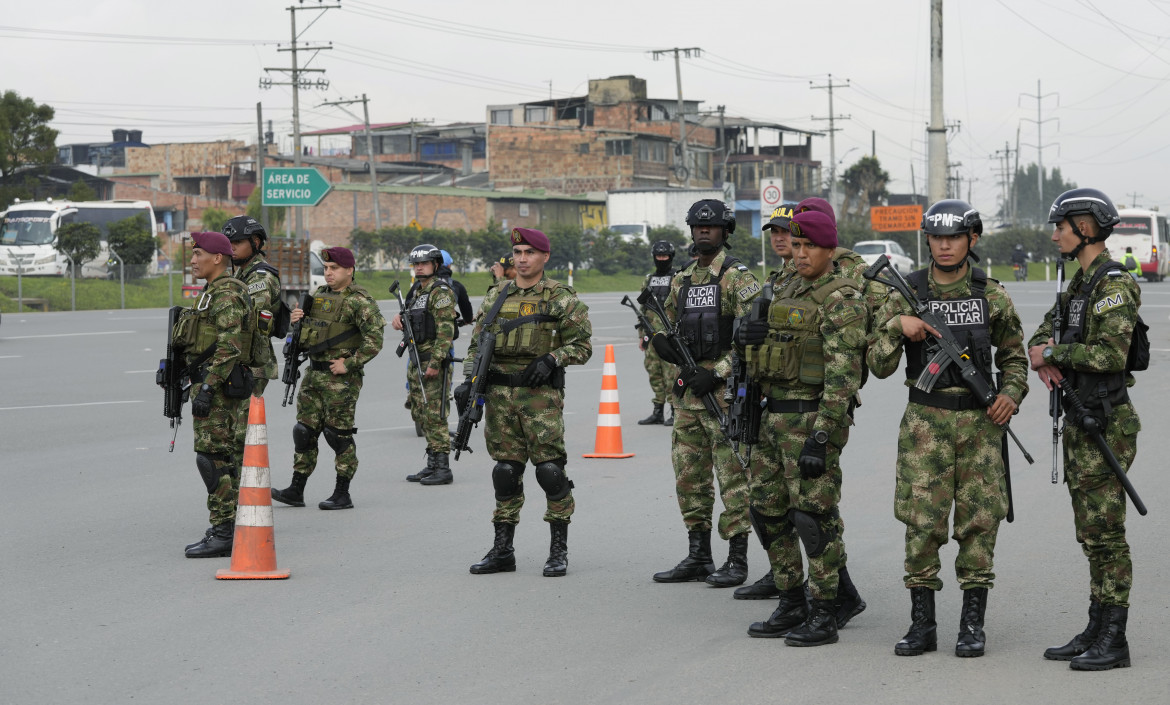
330, 342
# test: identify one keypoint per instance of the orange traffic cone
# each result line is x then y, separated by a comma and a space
609, 418
254, 547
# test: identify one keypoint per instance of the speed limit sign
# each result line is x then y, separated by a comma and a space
771, 196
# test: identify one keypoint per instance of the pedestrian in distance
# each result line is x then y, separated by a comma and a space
661, 373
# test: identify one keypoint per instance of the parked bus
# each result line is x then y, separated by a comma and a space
1147, 233
28, 234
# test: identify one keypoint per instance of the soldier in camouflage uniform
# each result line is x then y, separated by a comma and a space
263, 281
342, 332
1100, 309
807, 353
502, 269
216, 337
541, 327
431, 307
705, 297
662, 374
950, 447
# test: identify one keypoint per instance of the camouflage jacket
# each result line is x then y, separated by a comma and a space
1110, 319
360, 310
441, 305
1007, 335
229, 313
851, 265
574, 329
264, 289
736, 291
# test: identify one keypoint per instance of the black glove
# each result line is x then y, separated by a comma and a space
751, 333
539, 370
201, 404
664, 349
812, 459
699, 380
461, 394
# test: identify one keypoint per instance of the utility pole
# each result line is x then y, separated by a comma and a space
1135, 197
369, 148
1039, 136
1005, 180
833, 117
260, 165
298, 83
936, 176
689, 52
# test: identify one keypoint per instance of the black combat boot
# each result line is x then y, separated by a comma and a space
425, 472
848, 603
696, 566
971, 637
340, 498
442, 471
502, 557
819, 629
294, 494
206, 535
1109, 649
763, 589
670, 419
558, 550
791, 612
1081, 642
735, 570
217, 542
923, 633
655, 417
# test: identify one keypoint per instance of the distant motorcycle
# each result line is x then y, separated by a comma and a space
1021, 271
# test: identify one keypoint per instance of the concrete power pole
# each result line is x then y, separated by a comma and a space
936, 173
260, 164
369, 149
690, 52
833, 130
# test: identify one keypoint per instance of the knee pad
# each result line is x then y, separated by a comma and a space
304, 438
339, 439
552, 479
508, 479
209, 472
813, 531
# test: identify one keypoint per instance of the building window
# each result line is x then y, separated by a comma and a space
501, 117
432, 150
619, 148
583, 148
536, 114
651, 151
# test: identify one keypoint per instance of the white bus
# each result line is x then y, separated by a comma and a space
1146, 232
28, 234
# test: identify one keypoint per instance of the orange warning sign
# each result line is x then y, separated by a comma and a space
891, 219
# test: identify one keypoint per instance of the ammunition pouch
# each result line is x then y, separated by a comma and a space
238, 384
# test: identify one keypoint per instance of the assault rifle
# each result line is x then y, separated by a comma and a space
944, 349
1092, 426
293, 355
471, 406
643, 323
683, 352
172, 377
747, 409
1054, 405
408, 341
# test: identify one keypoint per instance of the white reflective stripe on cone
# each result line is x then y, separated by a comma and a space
255, 477
248, 515
257, 435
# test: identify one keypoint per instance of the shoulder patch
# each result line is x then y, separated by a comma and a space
1111, 301
741, 267
749, 291
256, 286
1118, 273
442, 300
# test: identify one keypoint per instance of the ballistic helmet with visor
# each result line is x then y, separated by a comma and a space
1086, 201
951, 217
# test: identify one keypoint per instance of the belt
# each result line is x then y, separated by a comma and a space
793, 406
500, 379
954, 402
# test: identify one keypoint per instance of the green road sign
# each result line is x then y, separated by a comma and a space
293, 186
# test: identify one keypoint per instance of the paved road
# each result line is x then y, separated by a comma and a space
100, 606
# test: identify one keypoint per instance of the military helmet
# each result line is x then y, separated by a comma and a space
1089, 201
243, 227
710, 211
426, 253
662, 248
951, 217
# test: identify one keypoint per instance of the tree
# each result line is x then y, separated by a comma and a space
865, 186
213, 219
25, 135
276, 214
1030, 207
81, 242
80, 191
132, 240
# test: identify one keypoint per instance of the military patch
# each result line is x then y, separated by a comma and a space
527, 308
796, 316
1109, 302
749, 291
255, 287
442, 300
323, 305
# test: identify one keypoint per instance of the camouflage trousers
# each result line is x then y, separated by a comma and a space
700, 455
1099, 503
329, 400
777, 490
949, 458
432, 415
662, 375
221, 437
526, 424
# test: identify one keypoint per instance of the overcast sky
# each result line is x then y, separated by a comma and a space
191, 72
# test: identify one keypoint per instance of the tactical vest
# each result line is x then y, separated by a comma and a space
524, 328
262, 348
323, 333
422, 321
1096, 389
701, 321
969, 318
196, 333
659, 285
793, 353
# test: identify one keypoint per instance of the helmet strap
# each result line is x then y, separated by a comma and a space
1084, 241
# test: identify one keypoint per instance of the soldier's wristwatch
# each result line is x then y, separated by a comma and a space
1047, 353
821, 437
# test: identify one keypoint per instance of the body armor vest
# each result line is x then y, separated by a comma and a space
525, 329
422, 321
659, 285
323, 324
1095, 388
196, 332
700, 321
969, 318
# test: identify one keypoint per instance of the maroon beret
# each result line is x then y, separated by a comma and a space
340, 255
528, 236
815, 226
213, 243
818, 205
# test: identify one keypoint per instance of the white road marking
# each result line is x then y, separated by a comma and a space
137, 372
68, 335
62, 406
8, 357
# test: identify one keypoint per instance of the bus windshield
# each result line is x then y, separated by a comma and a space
104, 217
26, 228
